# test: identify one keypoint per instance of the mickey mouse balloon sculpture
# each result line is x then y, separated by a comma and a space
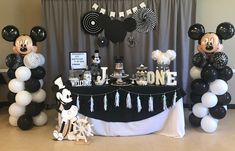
210, 74
26, 74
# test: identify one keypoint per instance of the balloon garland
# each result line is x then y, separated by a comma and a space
210, 74
26, 74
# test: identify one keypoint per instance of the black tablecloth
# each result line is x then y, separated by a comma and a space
122, 113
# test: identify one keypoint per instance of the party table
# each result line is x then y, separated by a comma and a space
147, 109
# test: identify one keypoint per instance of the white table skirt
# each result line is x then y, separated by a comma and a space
169, 123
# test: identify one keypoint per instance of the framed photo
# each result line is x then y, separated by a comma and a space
78, 60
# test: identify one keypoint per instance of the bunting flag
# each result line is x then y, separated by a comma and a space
139, 106
105, 102
128, 101
95, 6
150, 102
117, 99
78, 102
164, 102
122, 13
91, 104
174, 99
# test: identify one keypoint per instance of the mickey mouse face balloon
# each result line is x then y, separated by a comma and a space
24, 44
210, 42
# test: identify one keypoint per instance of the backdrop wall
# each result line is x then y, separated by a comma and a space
24, 14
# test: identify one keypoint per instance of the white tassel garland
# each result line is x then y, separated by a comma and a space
105, 102
78, 103
150, 104
91, 104
174, 98
128, 101
164, 102
117, 99
139, 106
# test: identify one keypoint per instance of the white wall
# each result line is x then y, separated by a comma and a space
211, 13
24, 14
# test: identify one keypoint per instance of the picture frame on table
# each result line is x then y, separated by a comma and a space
78, 60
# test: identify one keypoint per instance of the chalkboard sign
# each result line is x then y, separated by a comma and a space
78, 60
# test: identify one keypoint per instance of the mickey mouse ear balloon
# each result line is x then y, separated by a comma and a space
90, 23
38, 34
196, 31
10, 33
146, 20
225, 30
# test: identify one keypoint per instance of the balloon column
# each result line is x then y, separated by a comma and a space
26, 74
210, 74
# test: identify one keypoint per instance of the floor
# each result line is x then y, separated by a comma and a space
40, 138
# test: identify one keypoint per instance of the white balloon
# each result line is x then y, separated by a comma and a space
209, 99
209, 124
13, 120
16, 86
39, 96
16, 110
23, 98
41, 83
40, 119
42, 59
195, 72
218, 87
32, 60
23, 73
199, 110
226, 107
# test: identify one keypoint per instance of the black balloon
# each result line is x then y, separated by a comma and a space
115, 31
25, 122
224, 99
209, 73
14, 61
34, 109
195, 98
32, 85
196, 31
226, 73
217, 112
219, 60
38, 73
225, 30
11, 96
11, 73
194, 121
10, 33
38, 34
130, 24
199, 86
199, 60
